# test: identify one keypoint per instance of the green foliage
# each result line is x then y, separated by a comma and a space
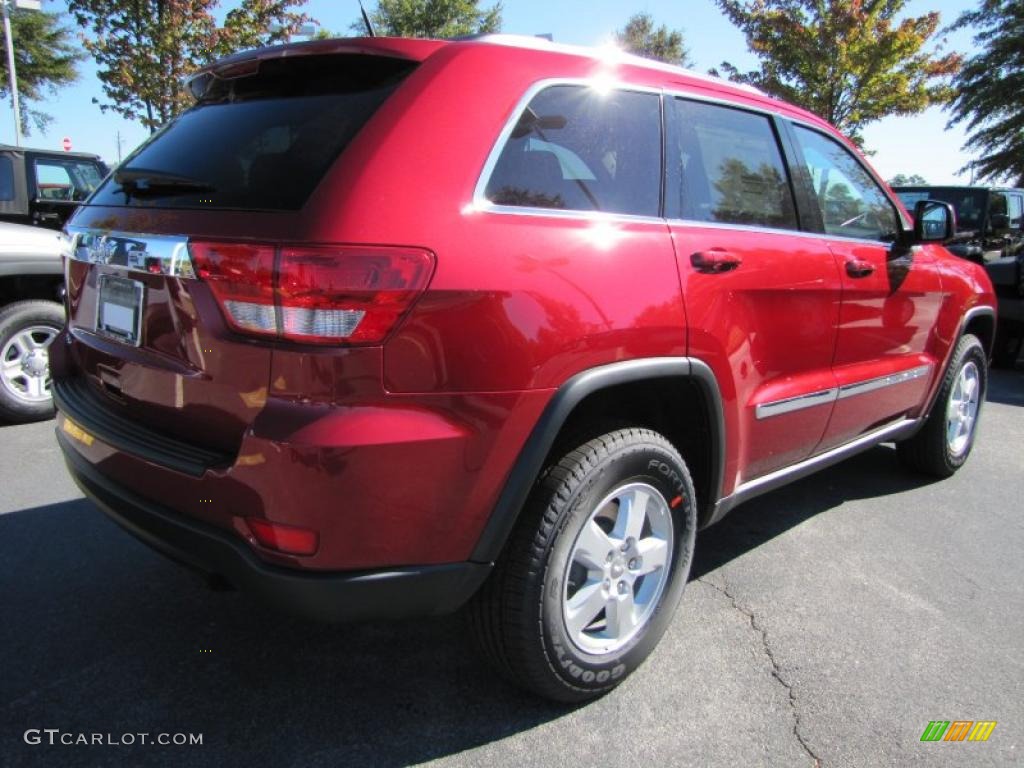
44, 58
852, 62
990, 90
903, 180
144, 49
431, 18
640, 36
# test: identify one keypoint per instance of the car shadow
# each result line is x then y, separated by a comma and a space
102, 635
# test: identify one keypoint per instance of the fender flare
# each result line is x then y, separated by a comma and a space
530, 462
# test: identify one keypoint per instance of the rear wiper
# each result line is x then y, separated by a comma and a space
141, 182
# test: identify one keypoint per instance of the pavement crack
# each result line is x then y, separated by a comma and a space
770, 655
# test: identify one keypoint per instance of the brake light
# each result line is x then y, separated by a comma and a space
313, 295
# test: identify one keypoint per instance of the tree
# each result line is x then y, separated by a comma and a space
431, 18
44, 58
639, 36
145, 49
990, 90
851, 62
903, 180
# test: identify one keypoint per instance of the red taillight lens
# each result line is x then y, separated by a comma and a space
241, 277
316, 295
284, 538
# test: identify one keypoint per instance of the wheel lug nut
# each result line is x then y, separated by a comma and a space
634, 564
622, 587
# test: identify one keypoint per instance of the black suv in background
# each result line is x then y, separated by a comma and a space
989, 231
42, 187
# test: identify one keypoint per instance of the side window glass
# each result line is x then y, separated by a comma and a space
724, 165
577, 148
6, 178
53, 182
852, 204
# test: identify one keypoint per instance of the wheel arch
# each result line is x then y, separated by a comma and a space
588, 393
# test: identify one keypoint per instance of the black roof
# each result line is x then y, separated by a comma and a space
51, 152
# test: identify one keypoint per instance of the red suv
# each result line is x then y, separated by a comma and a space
384, 327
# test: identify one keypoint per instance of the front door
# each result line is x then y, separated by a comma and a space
891, 294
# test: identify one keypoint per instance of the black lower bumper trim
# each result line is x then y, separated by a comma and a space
337, 596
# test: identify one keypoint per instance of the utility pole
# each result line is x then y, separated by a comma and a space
14, 75
118, 147
31, 5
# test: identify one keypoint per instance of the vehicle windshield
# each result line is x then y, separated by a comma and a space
968, 203
261, 141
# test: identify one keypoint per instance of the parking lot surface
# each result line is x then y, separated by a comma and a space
828, 621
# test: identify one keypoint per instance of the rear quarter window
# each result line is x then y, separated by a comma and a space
262, 141
579, 148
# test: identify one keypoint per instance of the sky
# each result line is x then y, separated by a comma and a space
910, 145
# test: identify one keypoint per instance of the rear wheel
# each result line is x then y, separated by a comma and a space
593, 572
26, 330
943, 444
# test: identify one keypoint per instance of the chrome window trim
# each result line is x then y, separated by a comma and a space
831, 395
790, 404
100, 246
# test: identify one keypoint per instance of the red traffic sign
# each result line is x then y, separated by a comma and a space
66, 143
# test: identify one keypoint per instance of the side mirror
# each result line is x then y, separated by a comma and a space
934, 221
999, 222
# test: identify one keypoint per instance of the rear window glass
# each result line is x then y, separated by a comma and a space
262, 141
583, 149
6, 178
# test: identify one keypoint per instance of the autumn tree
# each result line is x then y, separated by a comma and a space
45, 59
990, 90
144, 49
431, 18
640, 36
852, 62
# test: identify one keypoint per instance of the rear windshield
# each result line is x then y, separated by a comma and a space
968, 203
262, 141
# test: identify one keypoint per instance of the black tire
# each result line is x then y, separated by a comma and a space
1006, 349
15, 319
930, 451
517, 617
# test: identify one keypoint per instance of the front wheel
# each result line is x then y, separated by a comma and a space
943, 444
26, 330
593, 572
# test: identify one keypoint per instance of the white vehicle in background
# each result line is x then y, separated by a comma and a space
31, 315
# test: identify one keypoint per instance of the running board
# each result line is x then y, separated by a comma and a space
770, 482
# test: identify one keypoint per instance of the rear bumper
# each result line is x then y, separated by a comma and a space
327, 596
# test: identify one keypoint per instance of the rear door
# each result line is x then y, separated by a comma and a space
762, 298
891, 294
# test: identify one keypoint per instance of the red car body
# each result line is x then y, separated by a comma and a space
399, 466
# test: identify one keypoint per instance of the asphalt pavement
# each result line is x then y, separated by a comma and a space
829, 621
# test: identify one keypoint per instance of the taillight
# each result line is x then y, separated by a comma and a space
313, 295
